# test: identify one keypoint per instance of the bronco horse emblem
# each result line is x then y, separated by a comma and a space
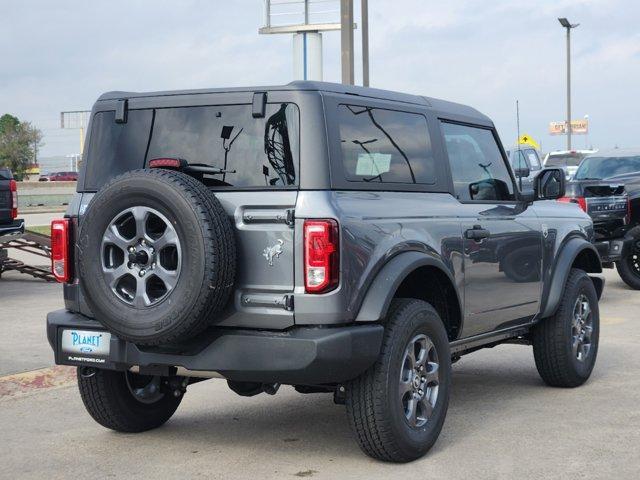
273, 252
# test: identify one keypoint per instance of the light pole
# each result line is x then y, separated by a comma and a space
566, 24
364, 10
346, 41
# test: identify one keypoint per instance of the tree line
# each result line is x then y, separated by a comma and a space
19, 144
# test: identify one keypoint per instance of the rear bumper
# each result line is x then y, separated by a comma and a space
299, 356
11, 230
610, 250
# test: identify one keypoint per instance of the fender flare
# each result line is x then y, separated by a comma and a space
376, 302
555, 287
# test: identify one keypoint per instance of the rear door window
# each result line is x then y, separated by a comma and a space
115, 148
385, 146
250, 152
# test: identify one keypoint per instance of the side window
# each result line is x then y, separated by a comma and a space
534, 160
477, 167
385, 146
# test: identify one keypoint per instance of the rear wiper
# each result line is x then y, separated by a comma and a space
204, 168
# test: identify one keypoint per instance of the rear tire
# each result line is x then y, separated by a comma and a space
565, 346
108, 397
379, 401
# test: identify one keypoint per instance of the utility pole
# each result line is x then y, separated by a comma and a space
364, 11
568, 26
77, 119
346, 41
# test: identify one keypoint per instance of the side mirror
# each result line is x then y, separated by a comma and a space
522, 172
550, 184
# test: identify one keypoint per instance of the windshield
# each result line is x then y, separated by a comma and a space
572, 159
606, 167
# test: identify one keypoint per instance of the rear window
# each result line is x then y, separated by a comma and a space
564, 159
385, 146
251, 152
115, 148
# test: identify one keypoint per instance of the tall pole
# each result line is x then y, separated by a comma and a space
568, 25
568, 88
364, 10
346, 41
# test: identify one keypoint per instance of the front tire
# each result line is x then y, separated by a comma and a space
565, 346
398, 406
125, 401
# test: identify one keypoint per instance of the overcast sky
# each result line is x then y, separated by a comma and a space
61, 55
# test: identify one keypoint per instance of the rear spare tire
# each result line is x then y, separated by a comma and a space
156, 256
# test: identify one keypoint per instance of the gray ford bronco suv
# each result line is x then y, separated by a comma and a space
334, 238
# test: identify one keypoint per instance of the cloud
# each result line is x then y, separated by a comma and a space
62, 55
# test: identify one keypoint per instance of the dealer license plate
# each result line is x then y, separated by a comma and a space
89, 346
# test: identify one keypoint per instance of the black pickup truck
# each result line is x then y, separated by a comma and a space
607, 187
10, 225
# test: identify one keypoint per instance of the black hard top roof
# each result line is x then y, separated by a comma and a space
299, 85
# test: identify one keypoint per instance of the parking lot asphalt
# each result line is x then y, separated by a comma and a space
503, 422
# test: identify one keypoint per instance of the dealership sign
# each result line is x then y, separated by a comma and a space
578, 127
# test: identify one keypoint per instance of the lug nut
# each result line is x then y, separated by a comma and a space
142, 273
420, 392
132, 249
153, 265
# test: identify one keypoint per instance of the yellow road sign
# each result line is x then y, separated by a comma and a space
528, 140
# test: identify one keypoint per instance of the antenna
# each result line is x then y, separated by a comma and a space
519, 153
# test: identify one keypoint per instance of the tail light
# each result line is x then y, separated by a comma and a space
321, 255
580, 201
13, 188
60, 261
166, 163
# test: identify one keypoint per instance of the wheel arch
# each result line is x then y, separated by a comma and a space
576, 253
414, 275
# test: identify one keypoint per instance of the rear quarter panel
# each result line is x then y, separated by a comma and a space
560, 223
374, 226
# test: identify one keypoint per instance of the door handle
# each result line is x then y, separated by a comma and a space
477, 233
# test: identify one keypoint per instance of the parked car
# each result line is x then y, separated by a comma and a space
568, 160
10, 225
607, 186
526, 164
59, 177
335, 238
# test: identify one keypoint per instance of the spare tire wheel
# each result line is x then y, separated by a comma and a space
156, 256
